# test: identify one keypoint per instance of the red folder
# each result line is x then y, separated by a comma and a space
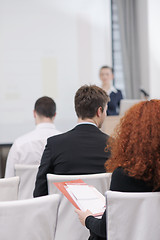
62, 187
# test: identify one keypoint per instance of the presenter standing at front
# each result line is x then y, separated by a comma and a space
106, 77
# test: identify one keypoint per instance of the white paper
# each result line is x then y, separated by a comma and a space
94, 205
82, 192
87, 197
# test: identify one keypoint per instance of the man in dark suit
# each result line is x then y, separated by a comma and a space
82, 149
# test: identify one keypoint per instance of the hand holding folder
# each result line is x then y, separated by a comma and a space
83, 196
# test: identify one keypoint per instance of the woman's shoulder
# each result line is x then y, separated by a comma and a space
121, 181
118, 172
118, 178
119, 92
116, 93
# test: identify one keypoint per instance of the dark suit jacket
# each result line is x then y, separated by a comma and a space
79, 151
114, 103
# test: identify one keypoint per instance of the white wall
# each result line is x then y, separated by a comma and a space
49, 47
154, 47
142, 19
148, 17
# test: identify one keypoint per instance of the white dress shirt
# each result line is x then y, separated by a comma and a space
28, 149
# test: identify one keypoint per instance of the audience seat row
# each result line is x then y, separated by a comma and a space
129, 215
66, 218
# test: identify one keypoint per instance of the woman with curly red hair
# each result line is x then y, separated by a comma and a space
135, 158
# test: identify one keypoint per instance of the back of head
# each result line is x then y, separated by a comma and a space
88, 99
136, 145
45, 107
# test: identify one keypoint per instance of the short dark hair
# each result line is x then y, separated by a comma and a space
107, 68
45, 107
88, 99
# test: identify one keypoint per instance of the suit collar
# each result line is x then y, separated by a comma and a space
86, 127
87, 123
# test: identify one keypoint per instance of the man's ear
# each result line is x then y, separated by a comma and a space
99, 111
34, 113
54, 117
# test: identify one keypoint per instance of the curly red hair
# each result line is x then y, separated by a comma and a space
136, 143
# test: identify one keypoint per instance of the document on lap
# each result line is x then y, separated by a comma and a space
83, 196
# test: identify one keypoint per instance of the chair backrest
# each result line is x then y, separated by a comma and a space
27, 174
125, 104
133, 216
31, 219
72, 228
9, 188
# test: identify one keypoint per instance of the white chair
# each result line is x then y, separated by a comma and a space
68, 225
133, 216
9, 188
31, 219
27, 174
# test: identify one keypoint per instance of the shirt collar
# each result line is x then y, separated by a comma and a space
112, 89
45, 125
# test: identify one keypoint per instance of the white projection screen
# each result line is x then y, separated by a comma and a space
49, 48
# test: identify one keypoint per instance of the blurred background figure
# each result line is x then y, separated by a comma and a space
106, 77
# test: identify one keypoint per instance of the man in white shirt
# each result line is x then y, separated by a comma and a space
28, 149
